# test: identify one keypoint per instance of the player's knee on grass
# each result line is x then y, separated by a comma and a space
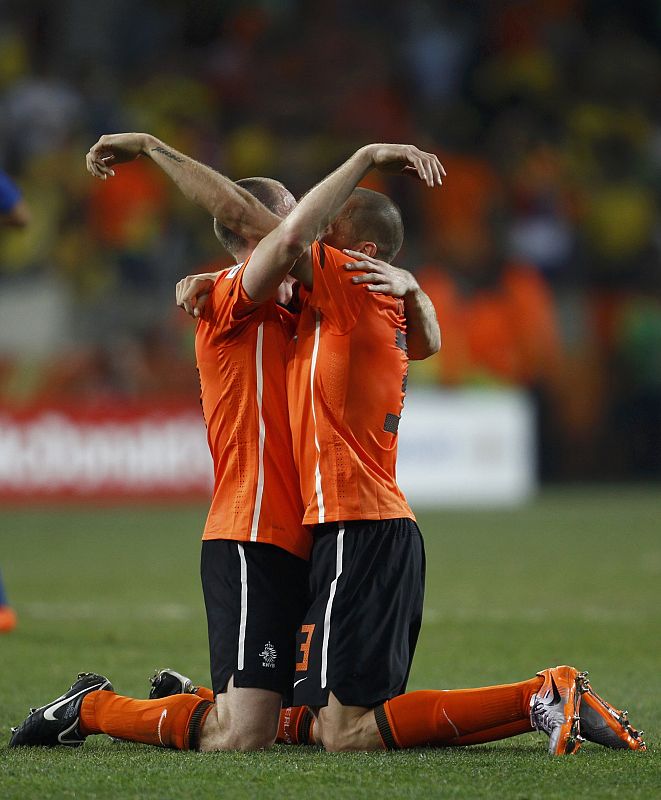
242, 735
241, 741
347, 728
338, 740
245, 720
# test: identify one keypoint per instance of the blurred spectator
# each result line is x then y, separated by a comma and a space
42, 112
542, 231
437, 50
498, 321
637, 407
13, 208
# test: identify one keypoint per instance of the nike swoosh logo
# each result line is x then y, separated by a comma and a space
556, 694
300, 680
160, 722
49, 713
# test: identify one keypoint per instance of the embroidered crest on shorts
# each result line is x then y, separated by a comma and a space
269, 655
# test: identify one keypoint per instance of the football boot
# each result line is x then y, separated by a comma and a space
603, 723
58, 722
166, 682
554, 709
7, 619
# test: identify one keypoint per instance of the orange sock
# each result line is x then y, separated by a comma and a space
296, 726
493, 734
446, 717
169, 722
205, 694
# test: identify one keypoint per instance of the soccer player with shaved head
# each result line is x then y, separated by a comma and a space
346, 383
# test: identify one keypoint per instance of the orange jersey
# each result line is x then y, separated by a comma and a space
345, 384
241, 349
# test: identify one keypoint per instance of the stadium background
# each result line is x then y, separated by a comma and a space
542, 253
547, 118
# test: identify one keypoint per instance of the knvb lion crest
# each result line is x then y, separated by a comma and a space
268, 656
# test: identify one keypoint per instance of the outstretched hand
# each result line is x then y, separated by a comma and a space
193, 291
379, 276
112, 149
408, 160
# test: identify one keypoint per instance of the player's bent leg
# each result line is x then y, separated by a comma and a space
244, 719
296, 725
174, 722
255, 596
347, 728
353, 654
454, 717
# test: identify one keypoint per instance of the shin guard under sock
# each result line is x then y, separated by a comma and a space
494, 734
174, 721
446, 717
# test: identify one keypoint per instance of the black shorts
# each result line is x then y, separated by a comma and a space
255, 596
359, 634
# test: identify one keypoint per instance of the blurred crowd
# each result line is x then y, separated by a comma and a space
542, 252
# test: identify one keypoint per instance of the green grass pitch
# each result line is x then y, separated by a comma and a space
573, 578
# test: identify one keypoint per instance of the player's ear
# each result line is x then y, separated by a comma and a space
368, 248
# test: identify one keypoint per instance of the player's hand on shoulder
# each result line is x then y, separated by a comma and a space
193, 291
112, 149
379, 276
408, 160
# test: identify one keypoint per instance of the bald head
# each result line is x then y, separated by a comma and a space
272, 194
368, 216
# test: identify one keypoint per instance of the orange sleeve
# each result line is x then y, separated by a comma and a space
333, 293
229, 309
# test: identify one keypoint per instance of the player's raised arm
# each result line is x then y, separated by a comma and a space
227, 202
423, 335
274, 256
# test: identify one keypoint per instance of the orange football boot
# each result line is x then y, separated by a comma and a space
7, 619
555, 710
604, 724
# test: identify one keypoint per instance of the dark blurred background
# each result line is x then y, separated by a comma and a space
542, 252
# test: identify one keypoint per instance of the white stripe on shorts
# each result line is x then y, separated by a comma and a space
329, 605
244, 607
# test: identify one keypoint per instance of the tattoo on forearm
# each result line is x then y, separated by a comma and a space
168, 154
